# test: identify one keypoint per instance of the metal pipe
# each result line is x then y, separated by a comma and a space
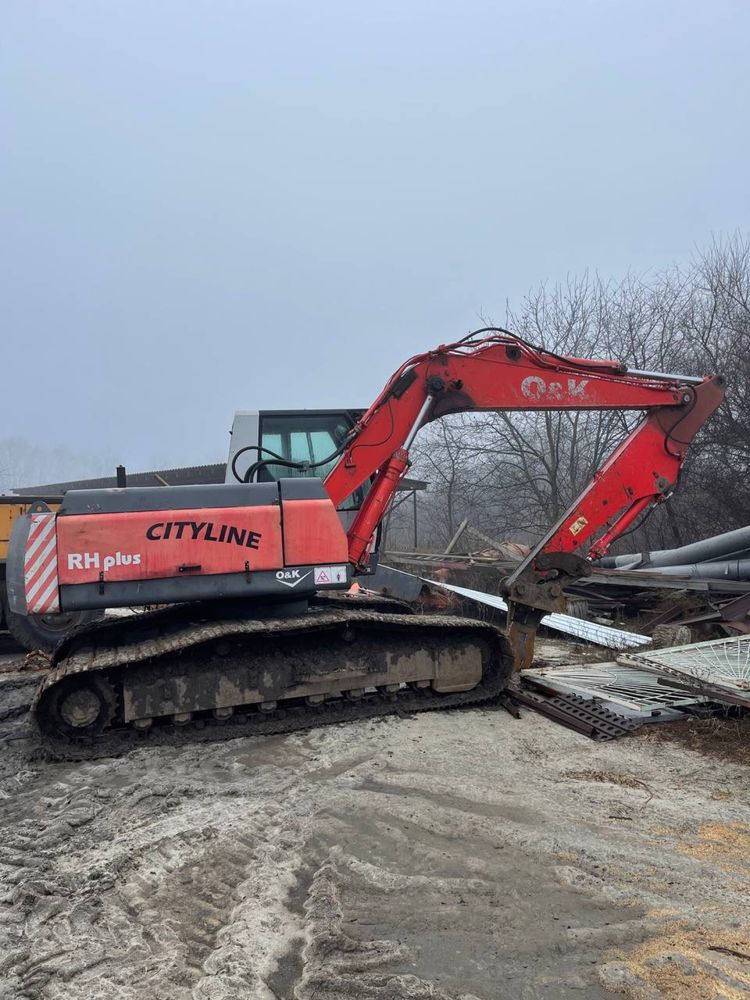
717, 547
738, 554
667, 376
424, 409
729, 569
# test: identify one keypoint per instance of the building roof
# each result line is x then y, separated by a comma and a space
193, 475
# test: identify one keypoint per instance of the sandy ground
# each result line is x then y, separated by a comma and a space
455, 855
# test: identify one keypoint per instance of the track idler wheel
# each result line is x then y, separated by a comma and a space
79, 708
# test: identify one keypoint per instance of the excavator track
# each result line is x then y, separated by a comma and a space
174, 676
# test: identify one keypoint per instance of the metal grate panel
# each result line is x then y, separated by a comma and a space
628, 687
721, 664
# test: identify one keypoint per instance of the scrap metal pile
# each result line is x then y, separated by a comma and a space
605, 700
660, 684
673, 598
704, 586
708, 583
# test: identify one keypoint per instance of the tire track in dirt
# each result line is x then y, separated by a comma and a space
380, 861
148, 879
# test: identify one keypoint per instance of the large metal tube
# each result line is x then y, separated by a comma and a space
727, 569
731, 543
686, 379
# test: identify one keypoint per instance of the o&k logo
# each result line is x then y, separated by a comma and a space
535, 387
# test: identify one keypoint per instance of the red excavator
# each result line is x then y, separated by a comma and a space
255, 625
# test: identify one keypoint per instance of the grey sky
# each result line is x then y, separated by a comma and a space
210, 206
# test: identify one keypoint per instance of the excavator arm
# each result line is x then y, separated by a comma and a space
503, 372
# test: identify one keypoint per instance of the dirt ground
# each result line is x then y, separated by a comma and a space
455, 855
726, 736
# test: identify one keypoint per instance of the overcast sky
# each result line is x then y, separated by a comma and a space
210, 206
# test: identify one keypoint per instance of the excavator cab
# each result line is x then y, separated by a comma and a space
312, 438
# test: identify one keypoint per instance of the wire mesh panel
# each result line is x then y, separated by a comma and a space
639, 690
720, 663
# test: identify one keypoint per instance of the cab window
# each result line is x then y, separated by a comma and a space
304, 437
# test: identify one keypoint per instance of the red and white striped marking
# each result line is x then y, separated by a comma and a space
40, 566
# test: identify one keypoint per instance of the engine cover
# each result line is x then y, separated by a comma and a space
161, 545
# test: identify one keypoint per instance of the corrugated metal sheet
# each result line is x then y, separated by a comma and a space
602, 635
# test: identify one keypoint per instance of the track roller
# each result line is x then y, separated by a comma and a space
79, 707
389, 690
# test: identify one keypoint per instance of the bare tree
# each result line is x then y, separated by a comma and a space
516, 473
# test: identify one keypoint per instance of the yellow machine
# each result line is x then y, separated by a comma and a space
12, 507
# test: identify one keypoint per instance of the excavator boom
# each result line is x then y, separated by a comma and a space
503, 372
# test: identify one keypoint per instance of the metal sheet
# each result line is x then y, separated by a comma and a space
654, 579
602, 635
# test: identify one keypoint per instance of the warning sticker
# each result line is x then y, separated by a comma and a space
578, 525
329, 574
